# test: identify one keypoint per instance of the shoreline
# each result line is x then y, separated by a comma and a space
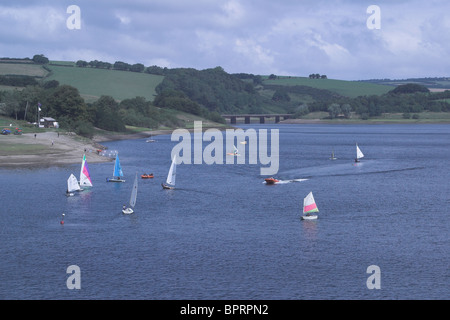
50, 149
47, 149
365, 122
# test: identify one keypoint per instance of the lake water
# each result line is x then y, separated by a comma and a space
224, 234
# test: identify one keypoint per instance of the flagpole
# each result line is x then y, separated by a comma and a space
39, 112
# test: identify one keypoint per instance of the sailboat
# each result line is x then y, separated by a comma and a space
72, 185
235, 153
85, 177
309, 206
170, 181
332, 156
133, 196
359, 154
117, 172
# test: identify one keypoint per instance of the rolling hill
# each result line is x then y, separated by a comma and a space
93, 83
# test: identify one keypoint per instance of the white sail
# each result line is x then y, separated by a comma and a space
85, 178
359, 154
72, 184
134, 192
172, 172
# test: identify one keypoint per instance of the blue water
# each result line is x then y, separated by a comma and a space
224, 234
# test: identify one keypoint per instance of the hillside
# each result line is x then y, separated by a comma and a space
204, 93
344, 88
93, 83
436, 84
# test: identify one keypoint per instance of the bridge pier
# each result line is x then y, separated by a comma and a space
262, 117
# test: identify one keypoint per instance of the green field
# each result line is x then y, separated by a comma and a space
350, 89
23, 69
93, 83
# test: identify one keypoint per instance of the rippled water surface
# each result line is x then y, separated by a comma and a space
224, 234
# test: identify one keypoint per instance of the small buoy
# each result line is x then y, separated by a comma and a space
62, 221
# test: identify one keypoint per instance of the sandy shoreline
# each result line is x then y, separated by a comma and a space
46, 149
49, 149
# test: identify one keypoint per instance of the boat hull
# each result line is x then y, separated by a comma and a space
311, 217
146, 176
165, 186
127, 211
114, 180
270, 181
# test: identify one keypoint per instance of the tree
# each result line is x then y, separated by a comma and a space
409, 88
346, 110
281, 95
334, 110
137, 67
119, 65
107, 114
40, 59
81, 63
65, 101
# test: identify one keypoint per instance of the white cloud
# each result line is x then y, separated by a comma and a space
33, 23
289, 37
232, 13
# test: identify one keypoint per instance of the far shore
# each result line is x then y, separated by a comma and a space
49, 148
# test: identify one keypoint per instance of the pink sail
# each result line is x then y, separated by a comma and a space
85, 177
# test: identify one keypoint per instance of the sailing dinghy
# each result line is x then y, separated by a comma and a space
117, 172
332, 156
309, 206
85, 177
359, 154
133, 197
234, 153
170, 181
72, 185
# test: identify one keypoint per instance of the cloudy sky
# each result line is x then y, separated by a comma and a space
283, 37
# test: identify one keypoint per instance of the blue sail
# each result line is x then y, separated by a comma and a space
117, 168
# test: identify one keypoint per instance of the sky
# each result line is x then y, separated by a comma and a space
343, 39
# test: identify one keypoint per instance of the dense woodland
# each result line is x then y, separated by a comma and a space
207, 93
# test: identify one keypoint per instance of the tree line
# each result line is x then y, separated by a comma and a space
407, 99
65, 104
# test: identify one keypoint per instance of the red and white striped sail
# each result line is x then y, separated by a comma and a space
309, 204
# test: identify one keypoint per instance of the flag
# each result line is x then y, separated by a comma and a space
39, 106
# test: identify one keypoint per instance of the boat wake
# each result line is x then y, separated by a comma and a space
288, 181
368, 167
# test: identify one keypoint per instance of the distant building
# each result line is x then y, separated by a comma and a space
47, 122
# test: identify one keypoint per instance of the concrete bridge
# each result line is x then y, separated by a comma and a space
262, 117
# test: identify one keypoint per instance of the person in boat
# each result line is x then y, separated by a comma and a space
124, 207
